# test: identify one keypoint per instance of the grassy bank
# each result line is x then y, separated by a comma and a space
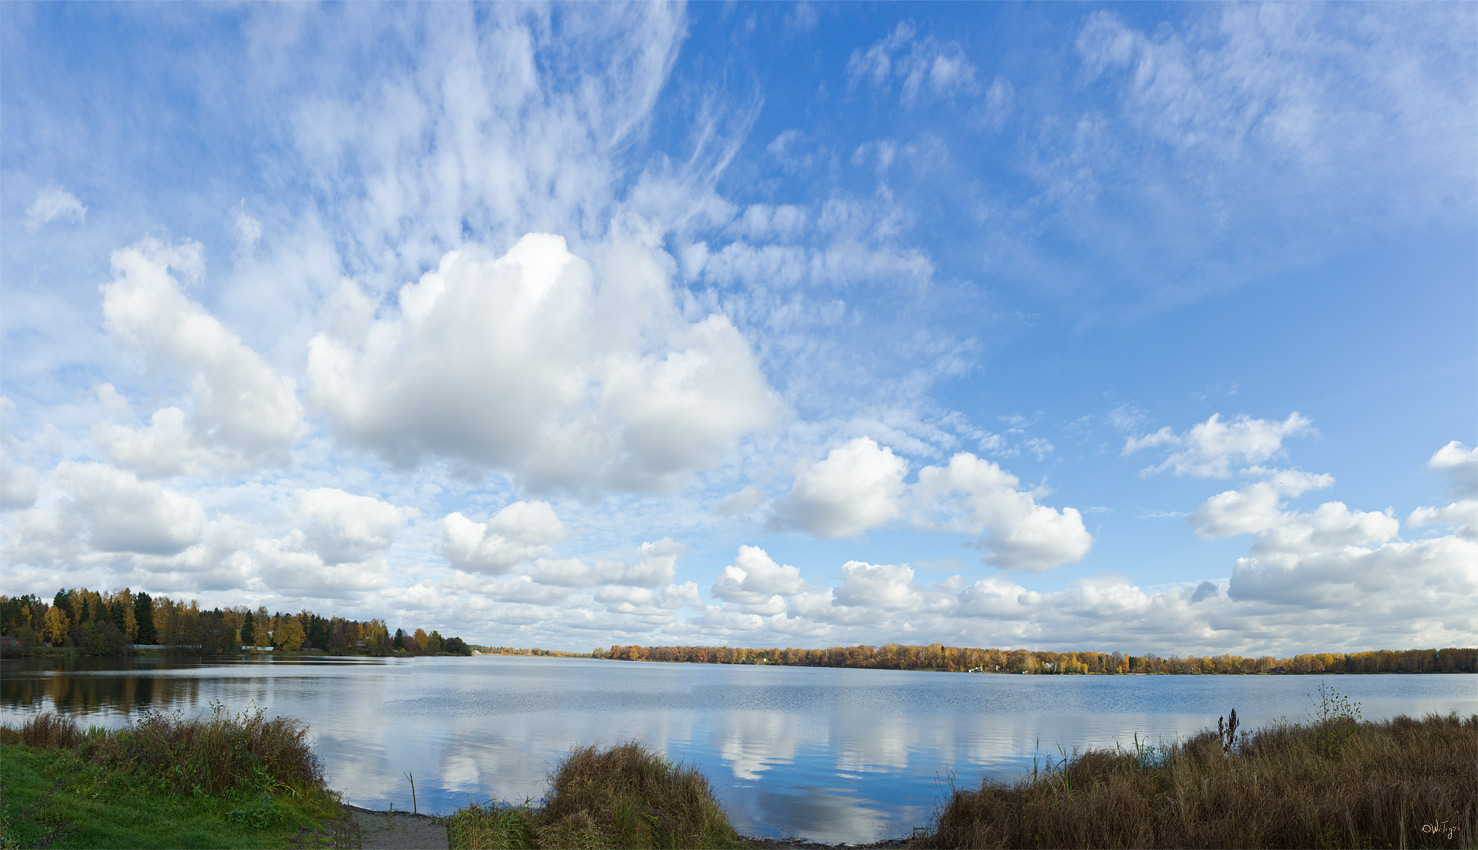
212, 782
1334, 783
622, 797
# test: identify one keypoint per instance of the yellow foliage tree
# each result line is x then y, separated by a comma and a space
289, 633
57, 624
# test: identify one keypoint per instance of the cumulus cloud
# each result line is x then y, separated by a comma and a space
120, 513
1256, 507
755, 580
1460, 463
1259, 509
972, 495
1423, 574
856, 487
519, 533
19, 484
887, 587
655, 567
241, 410
566, 376
1213, 448
346, 527
1461, 516
54, 204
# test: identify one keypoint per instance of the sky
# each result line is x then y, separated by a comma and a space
1142, 327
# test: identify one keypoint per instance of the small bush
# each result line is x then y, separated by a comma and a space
624, 797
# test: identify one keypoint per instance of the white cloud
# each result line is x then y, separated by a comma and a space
565, 375
972, 496
755, 580
346, 527
1368, 584
885, 587
1212, 448
240, 409
1258, 509
919, 65
119, 513
248, 234
165, 448
1255, 508
740, 502
54, 204
1462, 516
497, 132
1461, 463
19, 484
1275, 83
519, 533
855, 488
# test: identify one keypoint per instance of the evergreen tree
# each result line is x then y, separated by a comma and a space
143, 612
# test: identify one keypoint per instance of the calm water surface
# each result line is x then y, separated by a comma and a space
820, 754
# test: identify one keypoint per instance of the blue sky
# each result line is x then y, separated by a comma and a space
1134, 327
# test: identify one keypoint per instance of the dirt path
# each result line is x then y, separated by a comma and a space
397, 830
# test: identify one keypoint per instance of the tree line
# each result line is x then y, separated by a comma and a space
114, 623
968, 659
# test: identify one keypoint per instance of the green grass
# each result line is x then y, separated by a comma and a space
624, 797
218, 782
1335, 782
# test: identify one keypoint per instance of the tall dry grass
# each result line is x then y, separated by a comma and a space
208, 754
1335, 783
625, 796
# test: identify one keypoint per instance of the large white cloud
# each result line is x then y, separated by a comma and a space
886, 587
518, 533
973, 495
535, 363
347, 527
241, 410
1462, 516
120, 513
1212, 448
1255, 508
755, 580
856, 487
1258, 509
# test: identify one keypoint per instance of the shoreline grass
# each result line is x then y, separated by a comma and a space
1337, 782
217, 781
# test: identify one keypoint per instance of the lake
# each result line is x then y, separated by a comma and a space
820, 754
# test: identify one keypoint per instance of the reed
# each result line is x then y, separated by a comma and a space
1332, 783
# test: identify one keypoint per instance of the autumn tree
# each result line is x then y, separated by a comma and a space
288, 633
57, 625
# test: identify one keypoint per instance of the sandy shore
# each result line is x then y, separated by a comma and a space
397, 830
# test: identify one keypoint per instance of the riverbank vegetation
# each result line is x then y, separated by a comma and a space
226, 781
625, 796
87, 622
968, 659
1337, 782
